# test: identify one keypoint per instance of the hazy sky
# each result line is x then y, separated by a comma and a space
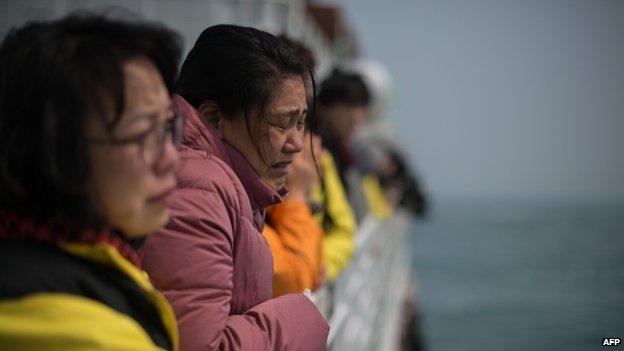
505, 98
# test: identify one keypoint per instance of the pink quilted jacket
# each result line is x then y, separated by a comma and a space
212, 262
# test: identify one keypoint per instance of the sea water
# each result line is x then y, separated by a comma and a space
520, 275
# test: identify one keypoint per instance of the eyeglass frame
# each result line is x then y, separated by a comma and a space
174, 127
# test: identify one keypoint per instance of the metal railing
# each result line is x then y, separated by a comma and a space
363, 306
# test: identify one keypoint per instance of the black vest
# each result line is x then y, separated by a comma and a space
27, 268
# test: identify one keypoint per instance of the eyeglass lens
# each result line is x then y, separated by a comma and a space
154, 143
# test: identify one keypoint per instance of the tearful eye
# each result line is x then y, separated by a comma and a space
281, 128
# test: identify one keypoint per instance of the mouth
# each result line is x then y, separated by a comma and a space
280, 168
161, 196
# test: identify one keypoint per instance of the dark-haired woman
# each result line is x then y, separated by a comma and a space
244, 93
87, 154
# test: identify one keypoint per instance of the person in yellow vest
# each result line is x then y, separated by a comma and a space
88, 141
343, 104
336, 216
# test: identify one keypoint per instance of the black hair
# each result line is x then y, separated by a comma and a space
240, 70
53, 75
345, 89
300, 49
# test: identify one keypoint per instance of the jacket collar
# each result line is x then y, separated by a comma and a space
55, 231
200, 134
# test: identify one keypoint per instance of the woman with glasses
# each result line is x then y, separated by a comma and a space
88, 137
244, 93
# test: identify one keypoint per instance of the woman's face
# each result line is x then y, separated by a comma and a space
279, 140
343, 120
131, 171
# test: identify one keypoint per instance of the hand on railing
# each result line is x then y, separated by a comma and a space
308, 294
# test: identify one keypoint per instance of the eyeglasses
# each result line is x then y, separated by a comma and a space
152, 141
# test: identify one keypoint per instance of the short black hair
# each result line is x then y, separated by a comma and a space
53, 75
343, 88
240, 69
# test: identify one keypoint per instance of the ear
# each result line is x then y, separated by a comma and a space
211, 112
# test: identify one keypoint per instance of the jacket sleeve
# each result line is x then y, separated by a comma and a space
338, 242
295, 239
191, 262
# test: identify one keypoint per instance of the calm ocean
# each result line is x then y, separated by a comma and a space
520, 275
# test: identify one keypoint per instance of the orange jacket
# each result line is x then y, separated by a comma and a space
296, 241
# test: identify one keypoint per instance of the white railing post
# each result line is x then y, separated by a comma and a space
368, 295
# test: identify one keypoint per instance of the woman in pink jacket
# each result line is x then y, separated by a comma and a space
244, 95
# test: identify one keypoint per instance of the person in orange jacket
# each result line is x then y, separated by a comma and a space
292, 232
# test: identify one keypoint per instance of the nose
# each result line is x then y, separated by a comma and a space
357, 116
294, 143
169, 159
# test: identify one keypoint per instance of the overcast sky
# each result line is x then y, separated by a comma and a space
505, 98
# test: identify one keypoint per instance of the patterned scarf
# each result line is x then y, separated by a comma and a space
56, 232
